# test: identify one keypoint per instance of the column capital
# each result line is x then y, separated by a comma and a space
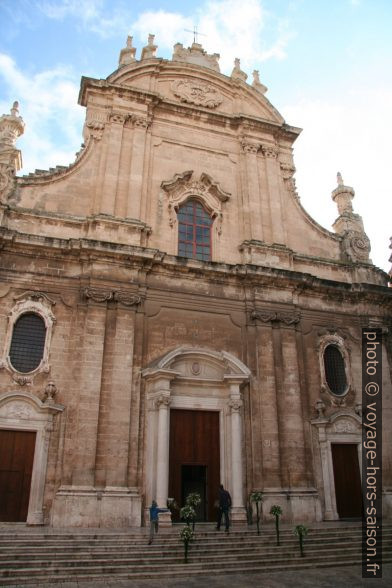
235, 404
163, 401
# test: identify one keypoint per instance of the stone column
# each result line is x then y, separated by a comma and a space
238, 514
158, 383
162, 469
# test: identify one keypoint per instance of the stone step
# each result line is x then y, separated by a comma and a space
57, 557
26, 539
181, 570
199, 547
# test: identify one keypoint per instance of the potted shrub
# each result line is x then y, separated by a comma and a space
301, 531
257, 498
193, 500
186, 536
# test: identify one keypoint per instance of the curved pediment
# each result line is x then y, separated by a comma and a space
196, 86
198, 363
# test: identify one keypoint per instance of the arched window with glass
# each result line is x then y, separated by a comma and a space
194, 231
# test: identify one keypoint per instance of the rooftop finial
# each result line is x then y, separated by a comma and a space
256, 84
237, 72
11, 127
15, 108
340, 179
127, 55
148, 52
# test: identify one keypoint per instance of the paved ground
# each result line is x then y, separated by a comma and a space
342, 577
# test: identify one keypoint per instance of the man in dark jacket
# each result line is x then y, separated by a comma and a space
224, 507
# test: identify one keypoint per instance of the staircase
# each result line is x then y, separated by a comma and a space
47, 556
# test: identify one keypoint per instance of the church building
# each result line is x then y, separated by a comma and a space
172, 318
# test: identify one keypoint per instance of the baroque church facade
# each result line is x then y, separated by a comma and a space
172, 318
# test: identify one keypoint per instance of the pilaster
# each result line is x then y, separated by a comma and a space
136, 171
270, 153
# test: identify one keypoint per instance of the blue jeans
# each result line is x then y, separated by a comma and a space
225, 512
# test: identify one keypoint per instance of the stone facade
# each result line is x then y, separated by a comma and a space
135, 331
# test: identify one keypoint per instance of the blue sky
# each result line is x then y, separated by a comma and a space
327, 66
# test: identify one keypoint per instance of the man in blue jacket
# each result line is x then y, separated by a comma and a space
224, 507
154, 519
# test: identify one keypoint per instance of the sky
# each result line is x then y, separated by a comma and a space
327, 65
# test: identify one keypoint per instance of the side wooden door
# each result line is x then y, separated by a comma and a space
347, 480
16, 466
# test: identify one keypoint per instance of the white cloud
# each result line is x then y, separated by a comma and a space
167, 26
346, 134
231, 28
93, 15
48, 105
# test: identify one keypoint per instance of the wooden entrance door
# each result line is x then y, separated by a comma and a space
195, 458
16, 466
347, 480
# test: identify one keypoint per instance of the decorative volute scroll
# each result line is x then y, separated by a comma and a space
266, 316
95, 124
182, 187
101, 295
197, 92
355, 243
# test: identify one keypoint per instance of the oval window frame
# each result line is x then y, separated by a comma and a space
29, 302
42, 343
339, 343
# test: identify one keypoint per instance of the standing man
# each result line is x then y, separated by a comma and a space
154, 519
224, 506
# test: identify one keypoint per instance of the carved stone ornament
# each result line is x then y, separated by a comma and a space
249, 146
7, 181
270, 151
182, 187
95, 124
50, 392
320, 408
140, 122
356, 246
195, 368
163, 401
22, 380
198, 93
96, 128
344, 426
235, 405
118, 118
282, 317
126, 298
97, 295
